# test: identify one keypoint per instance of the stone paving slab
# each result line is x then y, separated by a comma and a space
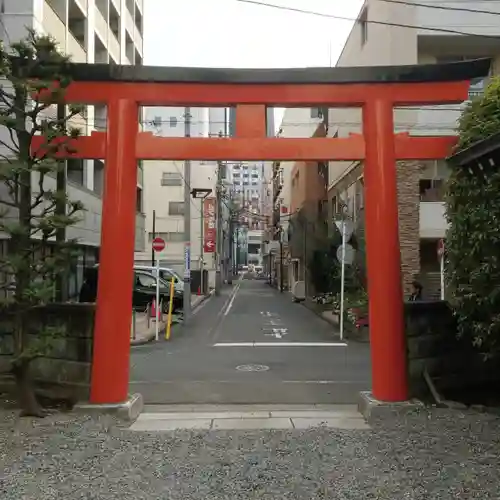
331, 422
245, 424
341, 418
185, 408
172, 425
203, 415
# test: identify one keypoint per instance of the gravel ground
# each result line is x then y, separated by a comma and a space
431, 455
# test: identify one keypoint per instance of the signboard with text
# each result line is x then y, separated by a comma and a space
209, 226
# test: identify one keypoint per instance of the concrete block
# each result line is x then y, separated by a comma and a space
128, 410
372, 409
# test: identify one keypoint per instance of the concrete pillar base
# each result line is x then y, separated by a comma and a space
372, 409
128, 410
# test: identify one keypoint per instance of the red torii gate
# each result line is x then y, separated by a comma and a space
376, 89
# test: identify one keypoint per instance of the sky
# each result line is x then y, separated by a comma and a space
231, 34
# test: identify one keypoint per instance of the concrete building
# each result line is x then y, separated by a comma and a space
165, 184
420, 185
296, 187
91, 31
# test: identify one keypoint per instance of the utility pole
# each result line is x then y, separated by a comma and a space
154, 236
61, 187
282, 278
219, 242
202, 224
187, 222
230, 244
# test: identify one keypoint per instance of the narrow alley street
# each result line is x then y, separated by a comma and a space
251, 345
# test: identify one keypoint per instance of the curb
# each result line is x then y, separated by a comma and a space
146, 340
204, 299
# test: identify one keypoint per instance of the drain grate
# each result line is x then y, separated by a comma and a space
252, 368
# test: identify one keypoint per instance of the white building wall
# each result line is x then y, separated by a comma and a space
54, 17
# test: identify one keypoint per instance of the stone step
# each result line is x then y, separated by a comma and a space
247, 417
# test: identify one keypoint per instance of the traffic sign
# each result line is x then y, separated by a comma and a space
158, 244
209, 245
440, 248
348, 254
347, 226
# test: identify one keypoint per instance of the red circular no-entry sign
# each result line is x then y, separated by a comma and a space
158, 244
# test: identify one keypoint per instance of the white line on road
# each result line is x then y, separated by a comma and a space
230, 304
280, 344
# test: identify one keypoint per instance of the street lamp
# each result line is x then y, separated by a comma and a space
201, 194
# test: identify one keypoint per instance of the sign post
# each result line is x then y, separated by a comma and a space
158, 247
345, 254
440, 251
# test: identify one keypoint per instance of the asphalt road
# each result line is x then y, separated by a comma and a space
251, 345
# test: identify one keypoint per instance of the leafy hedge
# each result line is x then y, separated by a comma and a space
473, 238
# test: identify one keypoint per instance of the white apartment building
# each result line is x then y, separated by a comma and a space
420, 186
165, 183
91, 31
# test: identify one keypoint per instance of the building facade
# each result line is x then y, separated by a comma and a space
422, 221
90, 31
165, 183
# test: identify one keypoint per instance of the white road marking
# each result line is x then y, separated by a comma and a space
278, 333
280, 344
230, 304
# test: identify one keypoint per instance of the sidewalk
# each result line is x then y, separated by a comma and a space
145, 329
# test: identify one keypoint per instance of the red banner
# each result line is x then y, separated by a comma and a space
209, 226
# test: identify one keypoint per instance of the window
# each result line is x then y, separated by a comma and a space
138, 200
432, 189
75, 171
316, 113
172, 121
171, 237
145, 280
175, 208
171, 179
363, 26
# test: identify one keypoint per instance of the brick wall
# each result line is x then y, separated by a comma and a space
408, 176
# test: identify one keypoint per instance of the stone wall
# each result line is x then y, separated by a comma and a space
432, 344
67, 361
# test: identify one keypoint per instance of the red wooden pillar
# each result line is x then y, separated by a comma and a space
387, 337
110, 366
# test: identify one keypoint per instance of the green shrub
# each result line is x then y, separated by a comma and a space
473, 238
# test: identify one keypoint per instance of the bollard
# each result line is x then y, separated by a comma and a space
133, 325
170, 308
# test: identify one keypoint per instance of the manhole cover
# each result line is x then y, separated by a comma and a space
252, 368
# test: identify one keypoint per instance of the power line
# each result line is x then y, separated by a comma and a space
442, 7
369, 21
